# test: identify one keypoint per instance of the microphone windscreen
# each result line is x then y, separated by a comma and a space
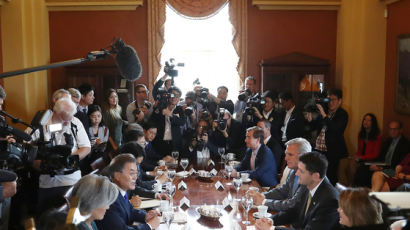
19, 133
128, 63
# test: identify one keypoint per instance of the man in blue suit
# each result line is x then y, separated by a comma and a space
121, 215
258, 161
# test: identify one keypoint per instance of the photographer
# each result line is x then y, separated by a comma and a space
196, 140
331, 126
169, 117
190, 107
220, 100
248, 91
231, 136
164, 80
140, 110
264, 109
53, 187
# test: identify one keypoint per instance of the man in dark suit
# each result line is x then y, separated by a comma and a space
318, 206
121, 214
293, 120
392, 152
272, 143
290, 193
258, 161
330, 127
87, 98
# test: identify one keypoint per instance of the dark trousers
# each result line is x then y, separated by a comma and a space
363, 176
51, 198
332, 167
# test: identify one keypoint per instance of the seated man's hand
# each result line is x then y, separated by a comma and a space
162, 178
234, 173
162, 168
152, 218
9, 189
263, 224
135, 201
257, 197
161, 196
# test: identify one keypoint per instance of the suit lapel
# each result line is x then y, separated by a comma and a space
314, 202
124, 205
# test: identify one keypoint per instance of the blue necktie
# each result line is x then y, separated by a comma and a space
295, 185
126, 198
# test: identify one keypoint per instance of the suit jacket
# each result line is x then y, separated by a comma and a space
265, 171
277, 151
286, 196
400, 152
85, 119
296, 124
322, 213
151, 158
334, 135
121, 216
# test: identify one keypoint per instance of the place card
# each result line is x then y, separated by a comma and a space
211, 162
192, 171
219, 186
213, 172
182, 186
184, 203
226, 204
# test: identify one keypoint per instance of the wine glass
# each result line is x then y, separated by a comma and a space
171, 189
247, 202
229, 169
221, 152
168, 216
171, 174
184, 164
175, 155
237, 183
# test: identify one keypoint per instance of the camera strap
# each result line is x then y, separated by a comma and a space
74, 130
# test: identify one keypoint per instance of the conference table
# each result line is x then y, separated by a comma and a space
200, 192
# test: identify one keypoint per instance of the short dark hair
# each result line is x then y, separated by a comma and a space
133, 135
315, 162
257, 133
149, 125
85, 89
250, 78
118, 163
138, 86
94, 108
286, 96
134, 148
337, 92
174, 88
222, 87
2, 93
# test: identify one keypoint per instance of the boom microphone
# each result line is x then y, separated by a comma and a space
127, 61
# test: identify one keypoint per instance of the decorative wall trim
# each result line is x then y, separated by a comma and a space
388, 2
92, 5
297, 4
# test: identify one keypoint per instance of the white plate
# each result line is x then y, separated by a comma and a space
256, 215
182, 173
247, 180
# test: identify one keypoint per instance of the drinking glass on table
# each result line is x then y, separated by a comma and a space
221, 152
184, 164
175, 155
247, 202
237, 183
171, 174
171, 189
168, 217
229, 169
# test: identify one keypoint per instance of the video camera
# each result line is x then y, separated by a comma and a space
163, 98
245, 94
221, 121
311, 107
171, 71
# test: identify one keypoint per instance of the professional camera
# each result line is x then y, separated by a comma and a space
254, 101
138, 110
221, 121
205, 115
171, 71
242, 96
163, 98
189, 111
203, 96
311, 104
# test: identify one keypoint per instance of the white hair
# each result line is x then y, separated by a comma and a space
303, 145
65, 105
74, 93
60, 93
94, 191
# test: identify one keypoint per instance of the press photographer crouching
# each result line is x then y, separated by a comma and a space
62, 142
220, 101
169, 117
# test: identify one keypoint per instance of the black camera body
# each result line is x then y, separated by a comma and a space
171, 71
163, 98
203, 96
221, 121
311, 107
245, 94
254, 101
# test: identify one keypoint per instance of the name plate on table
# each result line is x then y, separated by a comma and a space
219, 186
182, 186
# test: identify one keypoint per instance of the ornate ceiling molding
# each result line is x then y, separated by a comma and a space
388, 2
92, 5
297, 4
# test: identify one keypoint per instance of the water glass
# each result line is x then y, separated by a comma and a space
172, 174
175, 155
184, 163
228, 169
247, 202
237, 183
221, 152
168, 216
